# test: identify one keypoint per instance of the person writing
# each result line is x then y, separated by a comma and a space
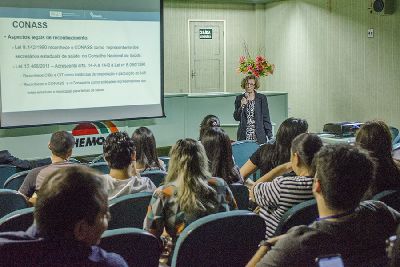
251, 110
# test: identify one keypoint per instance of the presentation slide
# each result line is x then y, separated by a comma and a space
66, 65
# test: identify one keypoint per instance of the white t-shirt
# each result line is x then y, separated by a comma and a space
116, 187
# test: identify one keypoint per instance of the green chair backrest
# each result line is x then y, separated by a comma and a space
129, 210
301, 214
136, 246
241, 194
5, 172
10, 201
100, 166
15, 181
242, 150
223, 239
19, 220
156, 176
390, 198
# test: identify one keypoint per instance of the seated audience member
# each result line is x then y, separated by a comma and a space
7, 158
209, 121
268, 156
70, 216
218, 148
146, 151
276, 194
61, 145
189, 193
355, 230
375, 137
119, 152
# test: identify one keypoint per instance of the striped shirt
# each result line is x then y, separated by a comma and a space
278, 196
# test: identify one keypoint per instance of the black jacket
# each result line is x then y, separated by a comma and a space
7, 158
261, 114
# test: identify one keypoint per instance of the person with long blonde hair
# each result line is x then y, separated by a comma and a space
189, 193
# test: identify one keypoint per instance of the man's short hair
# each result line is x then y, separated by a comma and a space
344, 172
67, 196
61, 143
118, 149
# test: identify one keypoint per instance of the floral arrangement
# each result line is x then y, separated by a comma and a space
259, 67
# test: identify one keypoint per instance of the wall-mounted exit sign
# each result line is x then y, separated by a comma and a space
205, 33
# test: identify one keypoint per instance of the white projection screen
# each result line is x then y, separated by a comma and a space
72, 61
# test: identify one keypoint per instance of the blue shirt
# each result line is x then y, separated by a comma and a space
30, 249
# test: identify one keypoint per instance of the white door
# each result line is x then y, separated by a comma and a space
207, 65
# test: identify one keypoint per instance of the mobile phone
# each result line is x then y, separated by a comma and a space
330, 261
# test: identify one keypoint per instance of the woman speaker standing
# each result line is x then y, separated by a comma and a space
251, 110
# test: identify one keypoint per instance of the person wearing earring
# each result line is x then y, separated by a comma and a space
251, 110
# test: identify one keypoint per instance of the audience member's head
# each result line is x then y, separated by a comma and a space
188, 166
304, 148
343, 173
72, 204
61, 144
146, 148
209, 121
287, 131
118, 150
375, 137
218, 148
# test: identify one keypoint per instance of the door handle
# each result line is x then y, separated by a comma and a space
193, 73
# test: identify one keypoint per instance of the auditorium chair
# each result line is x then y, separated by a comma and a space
156, 176
5, 172
395, 135
242, 150
165, 159
301, 214
15, 181
18, 220
11, 200
101, 167
390, 198
224, 239
99, 158
129, 210
136, 246
241, 194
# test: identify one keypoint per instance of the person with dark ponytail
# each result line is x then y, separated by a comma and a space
375, 137
208, 122
268, 156
276, 194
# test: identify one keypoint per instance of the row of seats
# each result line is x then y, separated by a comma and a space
126, 211
222, 239
11, 178
231, 237
15, 180
306, 212
130, 211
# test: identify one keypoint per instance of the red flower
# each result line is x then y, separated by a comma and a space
260, 59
